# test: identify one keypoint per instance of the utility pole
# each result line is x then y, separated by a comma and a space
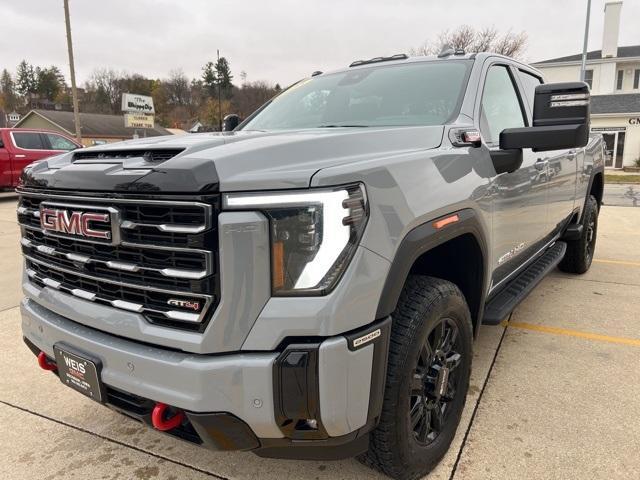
586, 40
74, 90
219, 93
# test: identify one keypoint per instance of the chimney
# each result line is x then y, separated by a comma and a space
611, 29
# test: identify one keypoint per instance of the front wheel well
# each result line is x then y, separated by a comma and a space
597, 188
459, 261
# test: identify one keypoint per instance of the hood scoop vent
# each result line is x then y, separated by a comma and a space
120, 156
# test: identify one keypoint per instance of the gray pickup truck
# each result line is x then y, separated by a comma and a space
310, 284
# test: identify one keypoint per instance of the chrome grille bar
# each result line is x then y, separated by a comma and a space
115, 265
121, 304
114, 282
131, 225
127, 243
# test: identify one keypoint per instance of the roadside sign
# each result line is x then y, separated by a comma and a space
133, 103
138, 120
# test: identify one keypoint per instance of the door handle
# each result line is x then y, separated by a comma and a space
20, 156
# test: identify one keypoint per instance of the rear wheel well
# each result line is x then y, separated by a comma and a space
459, 261
597, 188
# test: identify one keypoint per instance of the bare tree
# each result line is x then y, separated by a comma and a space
472, 40
107, 86
178, 88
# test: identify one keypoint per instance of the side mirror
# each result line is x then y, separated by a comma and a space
230, 122
560, 119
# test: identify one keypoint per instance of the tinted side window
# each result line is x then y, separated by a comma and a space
28, 140
530, 82
500, 106
58, 142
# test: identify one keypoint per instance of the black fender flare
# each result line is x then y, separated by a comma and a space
599, 170
420, 240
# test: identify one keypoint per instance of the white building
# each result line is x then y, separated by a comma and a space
613, 73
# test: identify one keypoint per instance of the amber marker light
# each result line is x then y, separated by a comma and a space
278, 264
443, 222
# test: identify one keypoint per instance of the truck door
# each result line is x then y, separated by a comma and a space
28, 147
561, 166
519, 198
5, 165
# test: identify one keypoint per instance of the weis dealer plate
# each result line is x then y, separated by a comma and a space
79, 372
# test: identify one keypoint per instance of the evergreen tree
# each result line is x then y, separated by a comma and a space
26, 81
50, 82
223, 72
8, 92
216, 76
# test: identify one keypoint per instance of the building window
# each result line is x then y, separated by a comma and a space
619, 79
588, 78
636, 79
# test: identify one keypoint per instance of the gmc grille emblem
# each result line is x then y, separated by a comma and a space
73, 222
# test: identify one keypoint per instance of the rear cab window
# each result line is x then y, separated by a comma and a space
28, 140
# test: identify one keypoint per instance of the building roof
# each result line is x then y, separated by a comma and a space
618, 103
623, 52
94, 124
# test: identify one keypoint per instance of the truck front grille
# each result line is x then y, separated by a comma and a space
160, 261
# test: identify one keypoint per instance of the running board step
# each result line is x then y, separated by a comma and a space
517, 290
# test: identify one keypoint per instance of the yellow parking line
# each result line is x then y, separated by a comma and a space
573, 333
617, 262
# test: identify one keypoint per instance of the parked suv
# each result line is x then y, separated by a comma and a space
19, 147
310, 284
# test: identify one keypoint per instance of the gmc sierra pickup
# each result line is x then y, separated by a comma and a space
310, 284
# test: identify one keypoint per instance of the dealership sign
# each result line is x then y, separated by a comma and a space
608, 129
138, 120
133, 103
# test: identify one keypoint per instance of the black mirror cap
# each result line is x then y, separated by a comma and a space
561, 119
541, 139
230, 122
564, 103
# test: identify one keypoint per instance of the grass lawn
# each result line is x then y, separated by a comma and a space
612, 178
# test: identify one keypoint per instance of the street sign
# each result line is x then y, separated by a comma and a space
133, 103
138, 120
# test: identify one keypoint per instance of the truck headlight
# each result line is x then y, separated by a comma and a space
314, 234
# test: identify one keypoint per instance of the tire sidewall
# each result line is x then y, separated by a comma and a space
413, 453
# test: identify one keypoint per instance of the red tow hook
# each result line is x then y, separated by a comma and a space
45, 363
158, 421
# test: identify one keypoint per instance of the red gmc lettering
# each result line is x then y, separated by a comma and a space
95, 217
75, 223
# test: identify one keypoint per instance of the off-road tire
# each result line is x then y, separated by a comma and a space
394, 448
580, 252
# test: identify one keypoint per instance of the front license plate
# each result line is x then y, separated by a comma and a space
79, 371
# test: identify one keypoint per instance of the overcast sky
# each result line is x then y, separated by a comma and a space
278, 40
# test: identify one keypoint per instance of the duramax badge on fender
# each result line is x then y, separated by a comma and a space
258, 281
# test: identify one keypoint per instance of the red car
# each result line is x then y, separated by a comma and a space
21, 146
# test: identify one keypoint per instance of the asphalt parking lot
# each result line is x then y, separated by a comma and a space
554, 392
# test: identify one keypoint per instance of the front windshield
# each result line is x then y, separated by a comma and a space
419, 93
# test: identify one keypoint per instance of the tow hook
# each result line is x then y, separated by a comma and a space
45, 363
158, 418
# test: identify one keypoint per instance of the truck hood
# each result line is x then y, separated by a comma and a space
205, 163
